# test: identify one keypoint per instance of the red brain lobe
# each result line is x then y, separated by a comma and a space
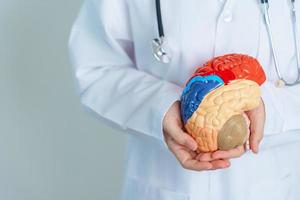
233, 66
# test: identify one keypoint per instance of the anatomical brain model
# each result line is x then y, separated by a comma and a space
215, 98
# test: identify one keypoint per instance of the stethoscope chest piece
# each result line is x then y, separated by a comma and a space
160, 50
159, 46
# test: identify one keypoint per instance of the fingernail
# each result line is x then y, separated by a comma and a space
257, 150
226, 166
210, 167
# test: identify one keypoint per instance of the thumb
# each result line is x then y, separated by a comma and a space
256, 133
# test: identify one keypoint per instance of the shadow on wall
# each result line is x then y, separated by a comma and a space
49, 147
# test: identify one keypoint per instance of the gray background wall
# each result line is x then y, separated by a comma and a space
50, 148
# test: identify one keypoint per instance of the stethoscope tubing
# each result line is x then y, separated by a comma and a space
296, 31
160, 25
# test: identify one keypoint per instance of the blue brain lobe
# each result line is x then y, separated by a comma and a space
195, 91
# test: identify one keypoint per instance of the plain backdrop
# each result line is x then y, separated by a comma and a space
50, 148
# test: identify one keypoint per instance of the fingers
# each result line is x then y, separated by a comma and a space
222, 155
206, 157
233, 153
188, 161
195, 165
217, 163
181, 137
185, 157
220, 164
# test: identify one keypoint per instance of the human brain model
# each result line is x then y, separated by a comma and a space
215, 98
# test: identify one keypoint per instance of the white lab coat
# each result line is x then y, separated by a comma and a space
121, 82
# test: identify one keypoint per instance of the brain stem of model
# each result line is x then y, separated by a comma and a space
215, 98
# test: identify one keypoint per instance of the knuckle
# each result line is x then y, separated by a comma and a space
169, 141
166, 140
181, 140
165, 133
184, 165
169, 148
185, 142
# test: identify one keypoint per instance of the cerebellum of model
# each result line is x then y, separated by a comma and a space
215, 99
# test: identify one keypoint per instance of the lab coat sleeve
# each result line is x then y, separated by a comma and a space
109, 83
282, 106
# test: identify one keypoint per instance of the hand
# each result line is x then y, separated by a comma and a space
183, 146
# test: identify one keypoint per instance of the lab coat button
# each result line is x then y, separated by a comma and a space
227, 17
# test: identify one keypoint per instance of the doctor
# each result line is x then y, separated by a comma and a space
121, 81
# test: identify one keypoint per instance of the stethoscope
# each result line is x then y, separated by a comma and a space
163, 55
